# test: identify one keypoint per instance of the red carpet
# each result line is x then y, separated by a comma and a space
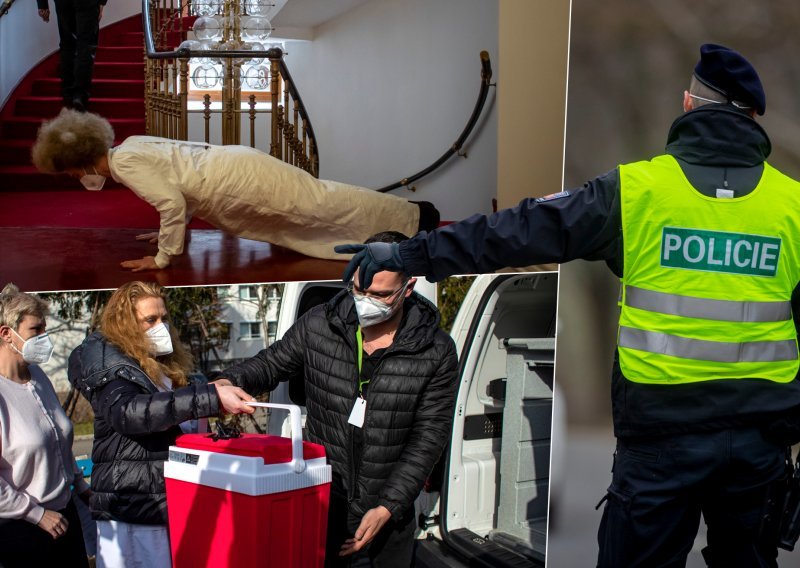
117, 208
118, 95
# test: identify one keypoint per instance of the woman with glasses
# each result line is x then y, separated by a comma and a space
39, 524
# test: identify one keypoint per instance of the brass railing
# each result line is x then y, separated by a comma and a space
5, 6
286, 126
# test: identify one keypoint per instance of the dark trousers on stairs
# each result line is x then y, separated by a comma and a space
78, 28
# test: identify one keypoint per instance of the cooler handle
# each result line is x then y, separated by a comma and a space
298, 463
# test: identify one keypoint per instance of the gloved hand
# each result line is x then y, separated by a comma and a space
370, 259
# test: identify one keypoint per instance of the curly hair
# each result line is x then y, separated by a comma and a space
71, 140
119, 325
15, 305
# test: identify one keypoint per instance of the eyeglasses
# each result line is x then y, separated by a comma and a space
381, 296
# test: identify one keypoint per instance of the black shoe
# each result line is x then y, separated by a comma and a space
428, 215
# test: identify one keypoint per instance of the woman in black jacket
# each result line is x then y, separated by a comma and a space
134, 374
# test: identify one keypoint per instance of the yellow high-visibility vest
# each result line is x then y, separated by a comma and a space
707, 281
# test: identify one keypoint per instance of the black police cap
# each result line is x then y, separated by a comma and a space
730, 74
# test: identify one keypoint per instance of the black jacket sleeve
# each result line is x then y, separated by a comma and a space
281, 361
431, 433
129, 412
583, 223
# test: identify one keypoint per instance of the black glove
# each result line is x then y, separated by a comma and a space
370, 259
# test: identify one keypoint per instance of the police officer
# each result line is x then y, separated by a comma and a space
706, 242
78, 28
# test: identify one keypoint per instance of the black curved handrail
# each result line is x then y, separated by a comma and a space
486, 78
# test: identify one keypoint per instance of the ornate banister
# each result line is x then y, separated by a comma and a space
5, 6
172, 48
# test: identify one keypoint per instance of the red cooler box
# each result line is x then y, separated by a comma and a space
248, 501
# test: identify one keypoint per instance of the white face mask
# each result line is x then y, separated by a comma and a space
162, 342
36, 350
372, 312
93, 182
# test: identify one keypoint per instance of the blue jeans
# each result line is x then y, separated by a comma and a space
660, 487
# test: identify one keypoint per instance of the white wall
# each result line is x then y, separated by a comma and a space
389, 86
25, 39
534, 37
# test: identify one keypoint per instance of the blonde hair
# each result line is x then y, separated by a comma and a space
71, 140
120, 326
15, 305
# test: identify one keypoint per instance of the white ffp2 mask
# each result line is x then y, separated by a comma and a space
36, 350
159, 336
93, 182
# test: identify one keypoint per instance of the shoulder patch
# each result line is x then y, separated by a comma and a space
552, 196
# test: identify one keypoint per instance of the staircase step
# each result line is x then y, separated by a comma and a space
28, 178
101, 88
26, 127
113, 54
15, 152
124, 39
106, 70
51, 106
173, 38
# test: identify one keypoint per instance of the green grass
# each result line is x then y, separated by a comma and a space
83, 429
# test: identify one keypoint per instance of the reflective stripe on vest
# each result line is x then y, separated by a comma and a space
719, 351
703, 308
707, 282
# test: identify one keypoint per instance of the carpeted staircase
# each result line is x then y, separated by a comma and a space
31, 199
117, 94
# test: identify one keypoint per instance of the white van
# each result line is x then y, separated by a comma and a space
486, 502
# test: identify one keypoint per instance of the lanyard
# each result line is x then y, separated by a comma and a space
360, 343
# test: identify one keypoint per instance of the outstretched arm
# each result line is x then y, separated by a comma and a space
148, 170
583, 223
281, 361
130, 412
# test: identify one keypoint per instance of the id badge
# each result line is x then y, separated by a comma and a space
358, 412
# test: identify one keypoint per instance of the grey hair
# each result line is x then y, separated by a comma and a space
71, 140
702, 91
15, 305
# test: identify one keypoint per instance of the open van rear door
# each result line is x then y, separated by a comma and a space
494, 496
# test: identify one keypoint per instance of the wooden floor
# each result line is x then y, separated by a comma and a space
53, 259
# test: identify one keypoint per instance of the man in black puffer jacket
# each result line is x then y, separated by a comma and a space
404, 392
